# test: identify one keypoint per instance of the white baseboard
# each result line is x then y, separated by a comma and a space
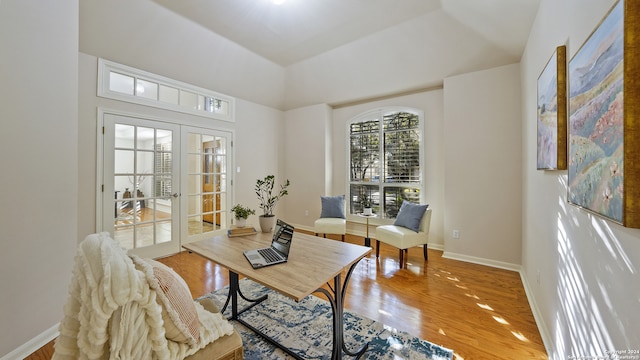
547, 339
33, 345
482, 261
439, 247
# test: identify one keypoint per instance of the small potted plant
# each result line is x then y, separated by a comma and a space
365, 202
242, 213
264, 190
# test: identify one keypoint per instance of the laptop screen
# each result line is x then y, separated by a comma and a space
282, 237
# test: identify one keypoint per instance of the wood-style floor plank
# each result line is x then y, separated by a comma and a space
478, 311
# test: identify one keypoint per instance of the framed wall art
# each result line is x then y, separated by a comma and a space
604, 118
552, 112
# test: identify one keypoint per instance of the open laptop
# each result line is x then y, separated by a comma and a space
279, 250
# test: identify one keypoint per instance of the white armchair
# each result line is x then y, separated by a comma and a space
332, 219
404, 238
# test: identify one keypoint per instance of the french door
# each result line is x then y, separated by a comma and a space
163, 184
206, 160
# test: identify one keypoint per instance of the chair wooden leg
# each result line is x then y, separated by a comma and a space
401, 258
424, 249
377, 248
324, 236
316, 234
342, 237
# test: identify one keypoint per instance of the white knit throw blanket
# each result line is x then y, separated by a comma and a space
112, 312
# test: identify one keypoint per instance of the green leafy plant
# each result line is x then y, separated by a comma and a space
364, 201
264, 190
242, 212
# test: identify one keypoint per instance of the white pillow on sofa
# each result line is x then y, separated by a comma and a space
179, 312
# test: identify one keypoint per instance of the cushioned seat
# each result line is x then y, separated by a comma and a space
332, 218
403, 238
330, 226
228, 347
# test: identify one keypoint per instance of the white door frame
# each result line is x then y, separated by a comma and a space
182, 217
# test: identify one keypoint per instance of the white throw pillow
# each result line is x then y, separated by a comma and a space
179, 312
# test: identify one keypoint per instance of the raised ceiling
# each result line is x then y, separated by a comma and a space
300, 29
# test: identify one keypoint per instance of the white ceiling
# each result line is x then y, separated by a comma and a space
301, 29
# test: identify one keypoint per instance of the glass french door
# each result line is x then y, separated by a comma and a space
163, 184
206, 162
141, 177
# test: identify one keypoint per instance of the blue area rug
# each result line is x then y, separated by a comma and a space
306, 328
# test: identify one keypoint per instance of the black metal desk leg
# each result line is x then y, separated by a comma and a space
234, 291
338, 320
234, 286
336, 298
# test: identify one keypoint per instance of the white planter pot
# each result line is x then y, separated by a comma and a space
267, 223
241, 222
367, 211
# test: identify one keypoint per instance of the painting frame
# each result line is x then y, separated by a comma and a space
552, 113
604, 119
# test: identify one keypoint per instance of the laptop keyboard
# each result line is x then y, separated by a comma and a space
269, 254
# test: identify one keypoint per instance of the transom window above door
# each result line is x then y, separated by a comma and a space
121, 82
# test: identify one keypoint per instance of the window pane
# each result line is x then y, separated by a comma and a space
358, 192
144, 162
147, 89
401, 148
195, 204
393, 197
121, 83
188, 99
365, 151
194, 164
195, 225
123, 162
221, 107
168, 94
164, 137
124, 136
163, 186
145, 138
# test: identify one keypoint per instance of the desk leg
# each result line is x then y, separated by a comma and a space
234, 291
336, 298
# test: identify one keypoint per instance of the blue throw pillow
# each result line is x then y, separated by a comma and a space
410, 215
332, 207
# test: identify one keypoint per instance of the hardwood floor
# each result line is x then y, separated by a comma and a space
480, 312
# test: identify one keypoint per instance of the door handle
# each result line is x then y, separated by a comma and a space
175, 195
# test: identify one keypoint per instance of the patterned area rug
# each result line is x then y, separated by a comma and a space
306, 328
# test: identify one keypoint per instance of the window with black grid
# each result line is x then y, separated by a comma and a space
384, 160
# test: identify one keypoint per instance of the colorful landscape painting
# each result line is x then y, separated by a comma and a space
552, 113
596, 121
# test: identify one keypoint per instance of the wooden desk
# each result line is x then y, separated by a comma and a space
313, 262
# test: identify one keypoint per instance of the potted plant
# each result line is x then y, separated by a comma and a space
365, 202
264, 190
242, 213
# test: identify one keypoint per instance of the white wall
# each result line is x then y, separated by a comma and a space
307, 139
38, 216
482, 158
259, 152
588, 299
